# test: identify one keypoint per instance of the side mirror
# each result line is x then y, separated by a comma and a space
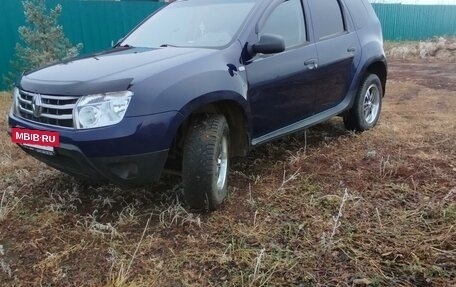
269, 44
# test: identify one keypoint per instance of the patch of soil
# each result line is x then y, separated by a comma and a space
432, 74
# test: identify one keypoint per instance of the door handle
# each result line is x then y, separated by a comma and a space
351, 49
311, 64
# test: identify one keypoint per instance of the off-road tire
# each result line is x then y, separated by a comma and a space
200, 164
356, 118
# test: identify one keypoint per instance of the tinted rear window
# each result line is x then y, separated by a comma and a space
327, 17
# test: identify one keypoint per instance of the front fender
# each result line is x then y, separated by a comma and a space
173, 88
215, 97
188, 96
173, 93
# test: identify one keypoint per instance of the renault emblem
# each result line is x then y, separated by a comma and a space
36, 106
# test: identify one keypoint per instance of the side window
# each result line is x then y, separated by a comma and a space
287, 20
327, 17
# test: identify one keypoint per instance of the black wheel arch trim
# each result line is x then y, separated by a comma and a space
214, 98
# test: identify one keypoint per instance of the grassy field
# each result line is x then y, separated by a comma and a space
325, 207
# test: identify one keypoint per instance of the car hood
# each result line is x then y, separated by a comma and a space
112, 70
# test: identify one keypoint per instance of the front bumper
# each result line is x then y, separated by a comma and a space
134, 152
129, 170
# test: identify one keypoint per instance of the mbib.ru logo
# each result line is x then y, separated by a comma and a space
43, 138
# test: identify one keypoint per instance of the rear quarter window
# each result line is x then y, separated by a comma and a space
358, 12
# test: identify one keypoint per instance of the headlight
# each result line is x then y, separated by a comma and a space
15, 106
100, 110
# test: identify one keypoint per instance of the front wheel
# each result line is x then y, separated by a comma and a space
368, 103
206, 162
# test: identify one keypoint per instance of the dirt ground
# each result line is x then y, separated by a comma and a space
324, 207
435, 75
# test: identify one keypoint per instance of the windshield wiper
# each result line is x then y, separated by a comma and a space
124, 46
167, 45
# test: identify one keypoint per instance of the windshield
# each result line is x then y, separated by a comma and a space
192, 23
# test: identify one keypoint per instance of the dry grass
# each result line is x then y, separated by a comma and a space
437, 48
394, 227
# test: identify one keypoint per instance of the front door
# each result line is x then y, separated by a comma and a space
282, 86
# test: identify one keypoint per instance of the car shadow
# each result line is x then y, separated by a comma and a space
282, 149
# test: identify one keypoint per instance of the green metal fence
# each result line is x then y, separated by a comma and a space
97, 24
416, 22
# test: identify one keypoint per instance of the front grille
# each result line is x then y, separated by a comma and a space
55, 110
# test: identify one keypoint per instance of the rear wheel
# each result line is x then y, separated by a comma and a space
206, 162
365, 112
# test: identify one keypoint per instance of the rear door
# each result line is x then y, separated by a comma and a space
338, 49
282, 86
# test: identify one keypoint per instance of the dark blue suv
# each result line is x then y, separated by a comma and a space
200, 82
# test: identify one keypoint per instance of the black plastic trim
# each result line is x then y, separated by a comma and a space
305, 123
